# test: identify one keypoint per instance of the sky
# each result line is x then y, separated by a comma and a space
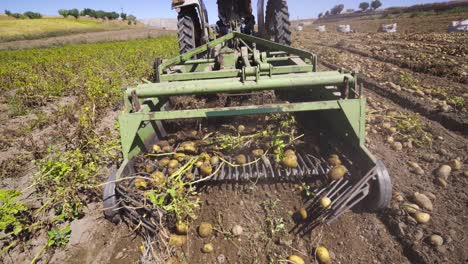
162, 8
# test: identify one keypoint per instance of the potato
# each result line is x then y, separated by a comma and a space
140, 183
171, 171
207, 248
290, 152
443, 172
334, 160
188, 147
241, 159
189, 176
156, 148
205, 230
149, 168
206, 169
177, 240
337, 173
296, 259
241, 128
423, 201
167, 149
214, 160
163, 163
411, 208
158, 179
198, 164
173, 164
182, 228
257, 153
302, 213
422, 217
179, 156
322, 255
325, 202
290, 161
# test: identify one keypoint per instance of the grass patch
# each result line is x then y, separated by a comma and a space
23, 29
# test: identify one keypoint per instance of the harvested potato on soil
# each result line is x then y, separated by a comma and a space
422, 217
302, 213
214, 160
140, 183
241, 159
188, 147
149, 168
167, 149
179, 156
337, 173
208, 248
182, 228
198, 164
443, 172
173, 164
325, 202
290, 152
296, 259
205, 230
164, 162
423, 201
411, 208
436, 240
241, 128
206, 169
290, 161
157, 148
177, 240
257, 153
322, 255
334, 160
158, 179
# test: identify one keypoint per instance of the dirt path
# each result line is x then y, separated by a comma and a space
94, 37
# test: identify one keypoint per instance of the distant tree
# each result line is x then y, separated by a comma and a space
88, 12
112, 15
376, 4
337, 9
327, 13
32, 15
8, 12
320, 15
74, 13
123, 16
350, 10
18, 15
364, 6
63, 12
131, 19
100, 14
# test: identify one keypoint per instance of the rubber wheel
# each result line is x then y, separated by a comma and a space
188, 29
110, 200
380, 190
277, 22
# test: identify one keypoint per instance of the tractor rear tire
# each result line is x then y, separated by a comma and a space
277, 22
188, 29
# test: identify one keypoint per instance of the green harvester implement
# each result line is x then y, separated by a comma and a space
331, 102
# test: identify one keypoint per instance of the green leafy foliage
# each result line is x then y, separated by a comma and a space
10, 210
59, 237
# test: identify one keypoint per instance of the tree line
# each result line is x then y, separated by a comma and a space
364, 6
95, 14
28, 14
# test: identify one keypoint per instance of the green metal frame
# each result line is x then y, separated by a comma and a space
272, 67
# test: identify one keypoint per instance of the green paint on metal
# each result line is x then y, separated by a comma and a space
283, 82
235, 111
